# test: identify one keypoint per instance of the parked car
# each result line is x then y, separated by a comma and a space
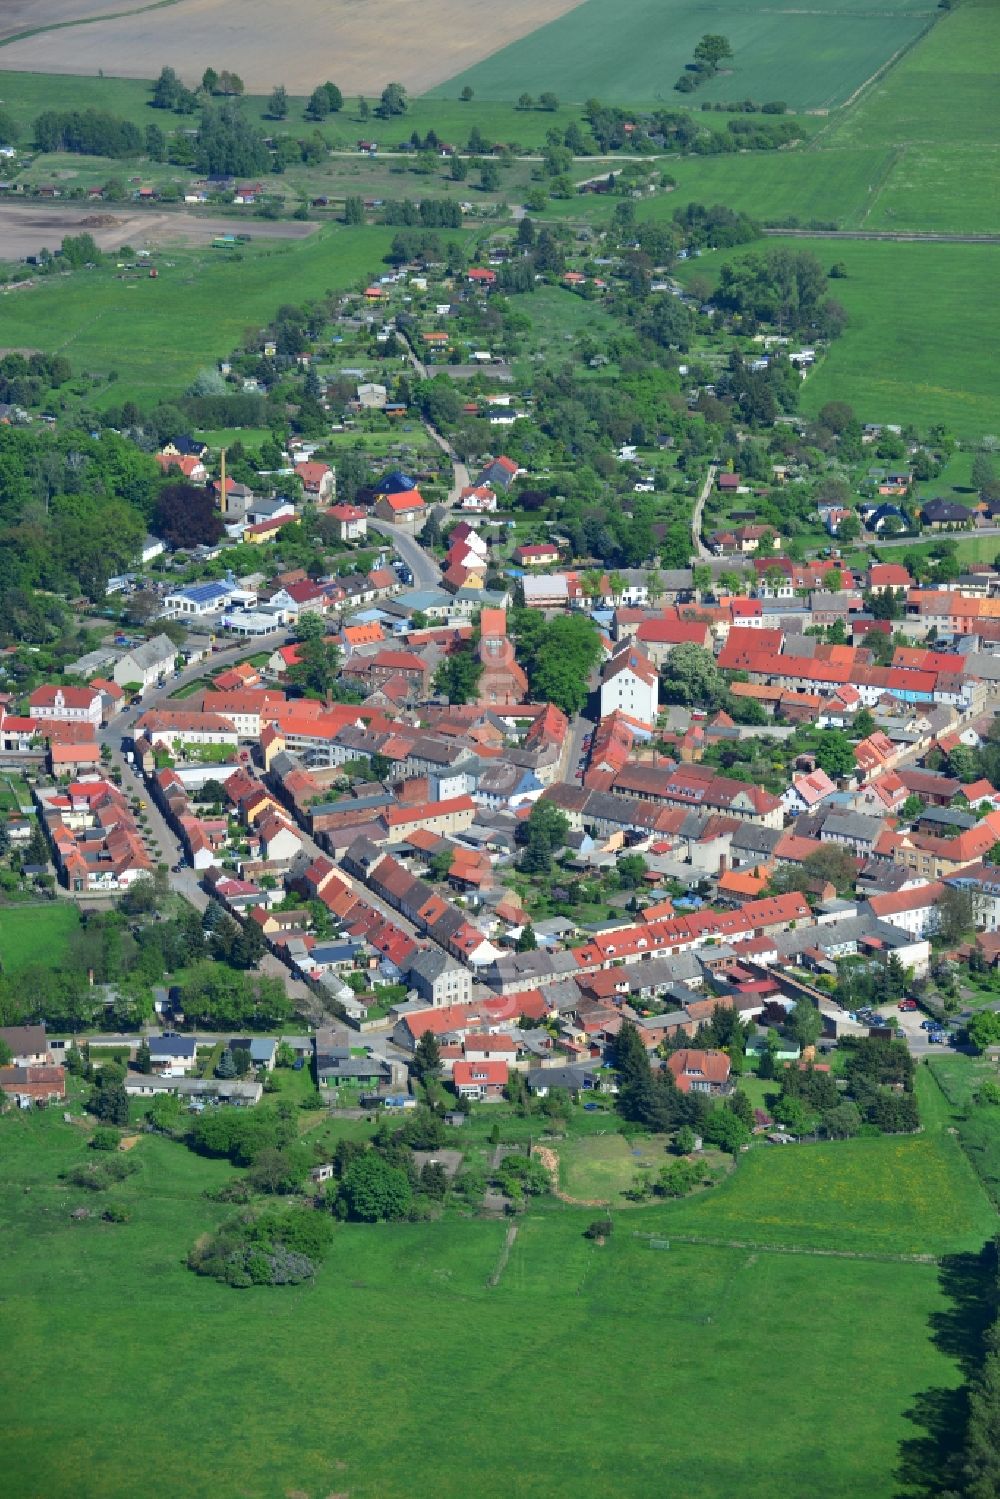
907, 1004
929, 1025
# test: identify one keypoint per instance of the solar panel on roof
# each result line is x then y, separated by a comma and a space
200, 593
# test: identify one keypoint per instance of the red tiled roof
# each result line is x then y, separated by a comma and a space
492, 1074
406, 499
73, 697
707, 1066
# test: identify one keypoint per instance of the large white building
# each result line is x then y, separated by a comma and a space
207, 598
54, 704
630, 684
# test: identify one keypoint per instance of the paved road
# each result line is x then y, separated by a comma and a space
425, 570
701, 550
185, 882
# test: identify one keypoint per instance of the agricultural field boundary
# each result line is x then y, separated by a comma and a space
833, 1254
897, 236
111, 15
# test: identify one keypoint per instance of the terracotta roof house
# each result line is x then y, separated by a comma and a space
483, 1082
66, 705
536, 554
891, 575
317, 479
700, 1071
351, 522
404, 508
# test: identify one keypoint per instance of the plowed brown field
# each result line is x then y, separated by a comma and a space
360, 44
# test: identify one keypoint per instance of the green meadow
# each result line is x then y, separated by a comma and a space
588, 1368
36, 934
924, 322
775, 187
158, 334
633, 54
26, 95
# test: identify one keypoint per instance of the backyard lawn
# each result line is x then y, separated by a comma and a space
36, 934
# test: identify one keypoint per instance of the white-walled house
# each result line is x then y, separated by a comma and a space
630, 684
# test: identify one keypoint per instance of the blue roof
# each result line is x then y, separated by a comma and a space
204, 593
335, 952
172, 1046
396, 483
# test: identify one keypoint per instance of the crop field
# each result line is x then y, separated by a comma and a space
19, 16
158, 334
942, 92
940, 189
632, 54
924, 323
258, 1410
297, 44
36, 934
936, 107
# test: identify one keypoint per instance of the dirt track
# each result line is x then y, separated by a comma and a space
894, 236
361, 46
26, 227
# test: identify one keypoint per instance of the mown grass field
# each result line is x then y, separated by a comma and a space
924, 323
158, 334
898, 1195
602, 1167
633, 54
36, 934
427, 1363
